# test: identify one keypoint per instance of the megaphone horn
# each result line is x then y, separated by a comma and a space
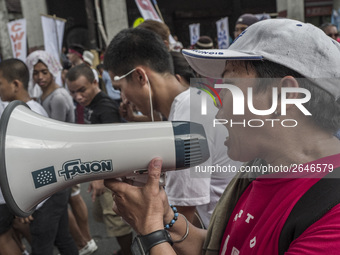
40, 156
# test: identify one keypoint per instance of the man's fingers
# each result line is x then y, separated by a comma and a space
154, 172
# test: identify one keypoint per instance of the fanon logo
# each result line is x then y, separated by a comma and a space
76, 167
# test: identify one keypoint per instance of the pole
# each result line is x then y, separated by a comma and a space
100, 23
57, 35
158, 10
91, 24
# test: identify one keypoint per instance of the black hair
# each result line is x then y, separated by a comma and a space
137, 46
323, 107
15, 69
181, 66
100, 66
324, 25
80, 70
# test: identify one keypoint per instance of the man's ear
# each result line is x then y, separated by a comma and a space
17, 84
140, 76
178, 78
287, 90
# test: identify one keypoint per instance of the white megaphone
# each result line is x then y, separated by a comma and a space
40, 156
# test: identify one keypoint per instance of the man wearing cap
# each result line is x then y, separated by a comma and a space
243, 22
270, 74
204, 42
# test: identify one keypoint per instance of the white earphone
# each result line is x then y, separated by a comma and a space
117, 78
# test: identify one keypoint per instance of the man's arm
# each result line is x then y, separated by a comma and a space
147, 209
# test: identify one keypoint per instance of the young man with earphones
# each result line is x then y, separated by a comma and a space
141, 66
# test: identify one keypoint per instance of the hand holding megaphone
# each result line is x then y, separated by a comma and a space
40, 156
140, 205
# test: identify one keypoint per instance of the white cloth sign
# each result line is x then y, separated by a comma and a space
223, 33
17, 34
53, 30
194, 33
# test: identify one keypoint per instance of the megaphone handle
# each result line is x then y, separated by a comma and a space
140, 180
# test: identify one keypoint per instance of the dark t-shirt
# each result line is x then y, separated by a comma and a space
102, 110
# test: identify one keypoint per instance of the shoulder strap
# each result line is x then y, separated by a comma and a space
316, 202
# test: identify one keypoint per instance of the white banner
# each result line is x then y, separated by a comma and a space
223, 33
147, 10
194, 33
53, 29
17, 34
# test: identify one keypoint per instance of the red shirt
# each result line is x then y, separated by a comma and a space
259, 216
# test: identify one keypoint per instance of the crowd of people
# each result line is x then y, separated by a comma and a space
141, 78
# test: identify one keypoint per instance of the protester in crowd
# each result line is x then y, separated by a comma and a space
78, 213
75, 54
178, 45
56, 100
88, 59
50, 222
330, 30
101, 109
204, 42
110, 90
159, 28
182, 69
298, 60
14, 78
243, 22
148, 81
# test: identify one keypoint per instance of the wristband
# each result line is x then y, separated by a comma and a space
141, 245
172, 222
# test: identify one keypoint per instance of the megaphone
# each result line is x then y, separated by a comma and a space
40, 156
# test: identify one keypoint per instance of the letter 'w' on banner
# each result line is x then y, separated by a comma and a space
53, 29
17, 34
194, 30
223, 33
147, 10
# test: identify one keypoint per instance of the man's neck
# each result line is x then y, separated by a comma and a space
24, 97
165, 92
48, 90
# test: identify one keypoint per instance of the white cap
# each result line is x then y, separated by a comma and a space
88, 57
301, 47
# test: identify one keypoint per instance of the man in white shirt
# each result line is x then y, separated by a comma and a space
141, 66
14, 77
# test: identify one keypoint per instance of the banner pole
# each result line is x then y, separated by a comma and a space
158, 10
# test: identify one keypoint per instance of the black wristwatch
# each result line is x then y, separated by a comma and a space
141, 245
